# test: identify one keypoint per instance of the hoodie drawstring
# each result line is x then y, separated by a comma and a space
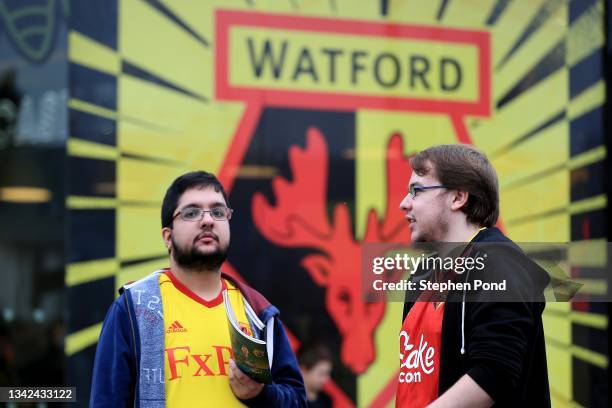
462, 351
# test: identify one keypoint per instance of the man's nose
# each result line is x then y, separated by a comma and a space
406, 203
207, 219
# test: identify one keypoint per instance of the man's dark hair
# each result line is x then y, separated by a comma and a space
462, 167
311, 354
195, 179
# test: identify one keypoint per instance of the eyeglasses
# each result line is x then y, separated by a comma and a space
197, 214
414, 190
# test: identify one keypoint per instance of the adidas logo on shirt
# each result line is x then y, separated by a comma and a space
176, 327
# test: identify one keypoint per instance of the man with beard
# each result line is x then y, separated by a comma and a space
165, 341
469, 350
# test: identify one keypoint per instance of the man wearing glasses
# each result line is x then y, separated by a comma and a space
165, 340
480, 352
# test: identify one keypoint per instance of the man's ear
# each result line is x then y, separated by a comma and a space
167, 237
460, 199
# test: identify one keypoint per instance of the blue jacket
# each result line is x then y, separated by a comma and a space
129, 364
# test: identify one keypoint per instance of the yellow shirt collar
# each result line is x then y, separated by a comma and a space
477, 232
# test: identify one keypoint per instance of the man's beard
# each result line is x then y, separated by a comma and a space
436, 232
195, 260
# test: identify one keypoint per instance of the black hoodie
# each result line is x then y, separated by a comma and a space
500, 345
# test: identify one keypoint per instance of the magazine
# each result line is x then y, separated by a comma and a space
250, 354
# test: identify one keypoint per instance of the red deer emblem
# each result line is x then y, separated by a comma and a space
299, 219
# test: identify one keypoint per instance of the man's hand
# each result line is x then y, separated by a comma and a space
243, 386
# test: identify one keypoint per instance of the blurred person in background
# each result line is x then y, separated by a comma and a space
315, 361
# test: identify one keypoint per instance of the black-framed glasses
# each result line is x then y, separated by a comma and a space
414, 190
197, 213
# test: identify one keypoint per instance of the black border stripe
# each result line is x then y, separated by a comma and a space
534, 177
138, 72
589, 225
149, 159
178, 21
578, 7
92, 177
384, 7
92, 234
88, 302
79, 369
535, 217
582, 272
549, 122
128, 203
442, 9
589, 385
547, 10
146, 124
132, 262
96, 19
586, 131
93, 128
544, 68
497, 11
587, 181
95, 87
585, 73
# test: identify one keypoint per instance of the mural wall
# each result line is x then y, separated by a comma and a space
308, 112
